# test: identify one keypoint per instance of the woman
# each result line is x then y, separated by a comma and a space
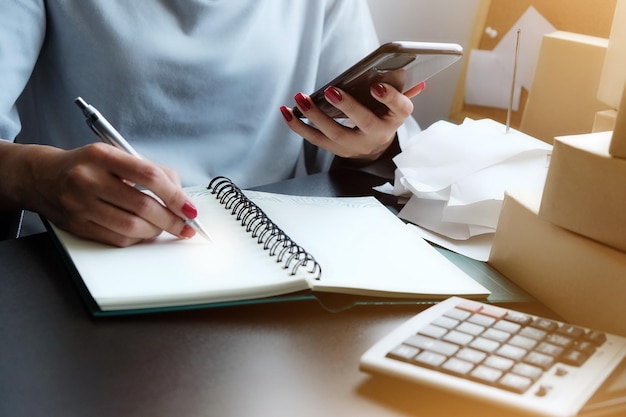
202, 87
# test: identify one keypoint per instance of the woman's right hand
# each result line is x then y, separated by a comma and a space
88, 191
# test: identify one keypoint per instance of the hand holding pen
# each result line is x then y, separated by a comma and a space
108, 134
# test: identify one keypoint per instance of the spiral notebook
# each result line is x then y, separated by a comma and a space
264, 245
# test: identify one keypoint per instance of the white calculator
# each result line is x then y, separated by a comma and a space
514, 359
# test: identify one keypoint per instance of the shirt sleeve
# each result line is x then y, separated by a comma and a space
22, 32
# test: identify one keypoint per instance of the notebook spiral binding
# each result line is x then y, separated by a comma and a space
287, 252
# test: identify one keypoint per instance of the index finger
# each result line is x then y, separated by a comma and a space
155, 179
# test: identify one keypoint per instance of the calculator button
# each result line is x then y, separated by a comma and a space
481, 320
529, 371
458, 314
597, 338
493, 311
458, 338
513, 352
585, 347
557, 339
533, 333
433, 331
469, 305
571, 331
515, 383
539, 359
574, 358
458, 366
446, 322
550, 349
432, 345
486, 374
544, 324
430, 359
497, 335
485, 345
471, 355
470, 328
498, 362
403, 353
507, 326
523, 342
519, 318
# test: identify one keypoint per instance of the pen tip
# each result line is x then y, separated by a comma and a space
204, 235
80, 103
195, 225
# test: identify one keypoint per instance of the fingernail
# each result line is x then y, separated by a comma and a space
379, 89
189, 210
333, 95
303, 102
286, 113
187, 231
415, 90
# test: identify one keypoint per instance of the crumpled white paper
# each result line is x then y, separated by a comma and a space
456, 176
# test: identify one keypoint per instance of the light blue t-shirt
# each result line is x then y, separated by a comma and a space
194, 85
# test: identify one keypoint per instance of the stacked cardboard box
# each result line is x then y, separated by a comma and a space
585, 189
562, 99
566, 244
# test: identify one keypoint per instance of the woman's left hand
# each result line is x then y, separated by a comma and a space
371, 135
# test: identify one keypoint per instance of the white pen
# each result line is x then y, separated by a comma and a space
108, 134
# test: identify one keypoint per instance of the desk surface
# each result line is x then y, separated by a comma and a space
286, 359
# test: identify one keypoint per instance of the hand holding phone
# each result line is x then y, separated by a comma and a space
401, 64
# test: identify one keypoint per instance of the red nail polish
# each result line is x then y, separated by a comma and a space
333, 95
303, 102
187, 231
379, 89
415, 90
286, 113
189, 210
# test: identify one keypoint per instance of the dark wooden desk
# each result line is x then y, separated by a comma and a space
285, 359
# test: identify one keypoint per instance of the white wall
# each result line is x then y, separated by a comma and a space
430, 21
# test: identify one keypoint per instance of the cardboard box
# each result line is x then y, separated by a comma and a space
618, 140
613, 74
584, 190
604, 120
563, 96
581, 280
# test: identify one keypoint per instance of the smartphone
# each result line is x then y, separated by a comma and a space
402, 64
